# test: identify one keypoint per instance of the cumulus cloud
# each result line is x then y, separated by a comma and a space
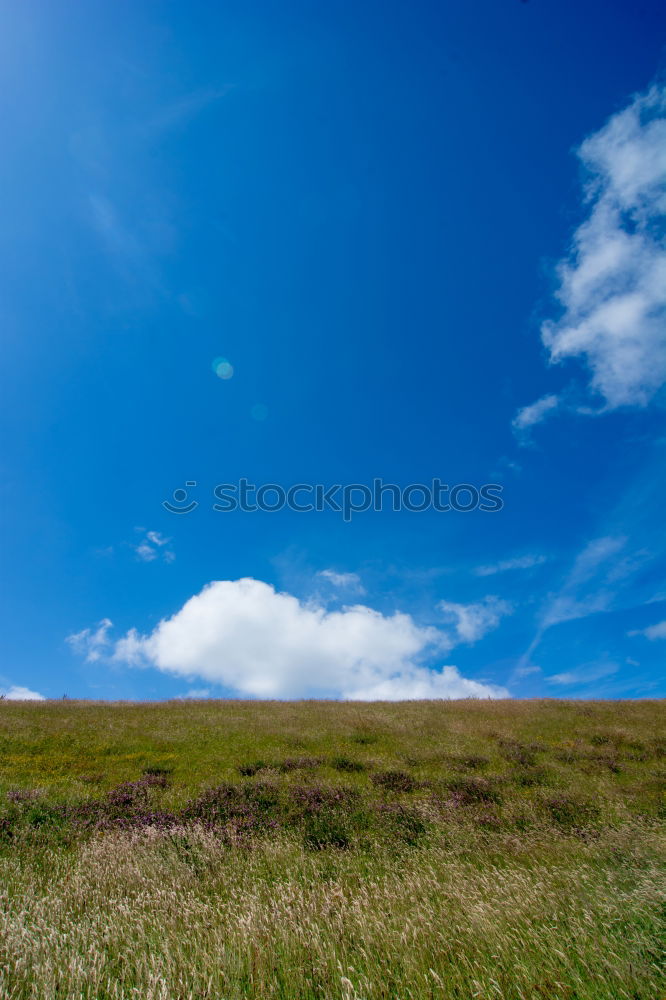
343, 581
472, 621
92, 643
18, 693
613, 283
418, 683
652, 632
519, 562
248, 638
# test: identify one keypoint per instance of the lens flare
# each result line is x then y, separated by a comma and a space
223, 368
259, 411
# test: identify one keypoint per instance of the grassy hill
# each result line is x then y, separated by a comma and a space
332, 850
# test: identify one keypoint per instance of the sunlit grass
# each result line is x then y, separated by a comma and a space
506, 850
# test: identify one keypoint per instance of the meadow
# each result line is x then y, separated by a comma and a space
339, 851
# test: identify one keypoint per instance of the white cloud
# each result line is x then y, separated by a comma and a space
18, 693
585, 590
613, 287
156, 538
152, 545
652, 632
595, 553
566, 607
418, 683
345, 581
196, 693
520, 562
92, 643
613, 283
525, 671
145, 552
589, 564
472, 621
586, 674
245, 636
533, 414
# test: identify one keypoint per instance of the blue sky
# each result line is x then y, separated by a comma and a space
429, 240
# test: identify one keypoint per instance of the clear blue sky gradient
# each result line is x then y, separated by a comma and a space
361, 206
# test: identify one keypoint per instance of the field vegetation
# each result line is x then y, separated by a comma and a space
338, 851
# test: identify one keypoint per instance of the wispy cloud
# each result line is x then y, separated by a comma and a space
613, 284
526, 670
343, 581
472, 621
585, 590
567, 607
117, 238
154, 546
247, 637
589, 673
519, 562
570, 603
595, 553
92, 643
535, 413
652, 632
134, 235
134, 239
182, 110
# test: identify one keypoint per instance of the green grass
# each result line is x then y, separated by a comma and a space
508, 850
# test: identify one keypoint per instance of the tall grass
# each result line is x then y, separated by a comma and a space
318, 850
